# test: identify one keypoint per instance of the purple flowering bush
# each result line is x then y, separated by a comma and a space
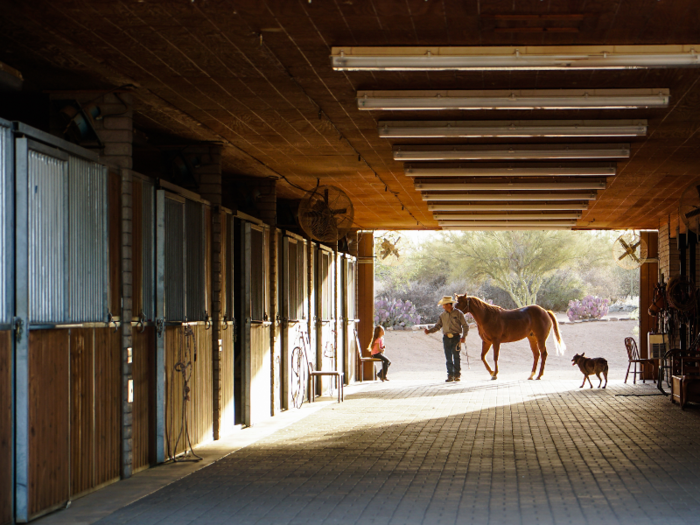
395, 312
590, 307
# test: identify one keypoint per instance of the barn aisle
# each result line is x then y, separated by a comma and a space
406, 451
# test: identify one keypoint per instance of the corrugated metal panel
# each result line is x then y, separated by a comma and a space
174, 261
6, 251
148, 249
88, 241
48, 225
195, 257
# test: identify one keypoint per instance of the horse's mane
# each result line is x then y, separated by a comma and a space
486, 306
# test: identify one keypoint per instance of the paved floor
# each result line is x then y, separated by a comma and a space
482, 452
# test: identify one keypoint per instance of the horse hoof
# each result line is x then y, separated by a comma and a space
493, 378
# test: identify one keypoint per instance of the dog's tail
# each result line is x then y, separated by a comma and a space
559, 344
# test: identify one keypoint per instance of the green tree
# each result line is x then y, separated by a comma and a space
518, 262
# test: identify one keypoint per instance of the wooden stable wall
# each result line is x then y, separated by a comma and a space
143, 409
260, 373
74, 413
193, 351
49, 420
6, 493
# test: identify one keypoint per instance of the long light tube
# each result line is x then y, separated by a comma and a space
508, 129
508, 206
508, 170
508, 186
510, 57
506, 223
514, 99
504, 216
540, 226
513, 152
509, 196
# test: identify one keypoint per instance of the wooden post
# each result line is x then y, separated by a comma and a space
648, 277
365, 294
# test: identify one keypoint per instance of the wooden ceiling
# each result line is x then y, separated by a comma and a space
257, 77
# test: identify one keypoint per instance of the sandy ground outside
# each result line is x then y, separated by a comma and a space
419, 357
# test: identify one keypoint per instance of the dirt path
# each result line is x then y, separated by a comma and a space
416, 356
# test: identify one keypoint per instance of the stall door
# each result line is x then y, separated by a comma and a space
348, 297
326, 351
256, 351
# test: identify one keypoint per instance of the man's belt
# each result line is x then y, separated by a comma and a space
452, 335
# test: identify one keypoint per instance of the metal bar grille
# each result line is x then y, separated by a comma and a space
48, 221
174, 261
88, 243
6, 224
195, 247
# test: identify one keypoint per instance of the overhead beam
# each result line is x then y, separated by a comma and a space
507, 206
506, 228
447, 217
410, 58
436, 169
509, 186
509, 223
503, 196
509, 129
524, 99
512, 152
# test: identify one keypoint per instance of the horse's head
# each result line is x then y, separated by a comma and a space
659, 302
462, 303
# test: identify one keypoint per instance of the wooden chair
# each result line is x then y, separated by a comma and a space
685, 386
362, 360
634, 359
313, 374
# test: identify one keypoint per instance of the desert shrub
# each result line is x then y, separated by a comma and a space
558, 290
395, 312
590, 307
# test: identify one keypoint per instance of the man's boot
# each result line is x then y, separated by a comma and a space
449, 379
457, 378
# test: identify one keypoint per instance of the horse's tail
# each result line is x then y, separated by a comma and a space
559, 344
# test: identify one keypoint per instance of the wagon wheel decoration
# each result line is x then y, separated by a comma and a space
681, 294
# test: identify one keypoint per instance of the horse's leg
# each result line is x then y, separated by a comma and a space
535, 355
542, 344
485, 347
600, 379
496, 351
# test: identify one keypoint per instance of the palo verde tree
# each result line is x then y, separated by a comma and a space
518, 262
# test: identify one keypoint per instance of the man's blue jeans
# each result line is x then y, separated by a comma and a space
454, 367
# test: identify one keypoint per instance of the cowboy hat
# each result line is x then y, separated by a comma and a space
446, 299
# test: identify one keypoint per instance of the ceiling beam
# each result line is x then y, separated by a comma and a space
525, 99
509, 170
508, 129
502, 196
512, 152
447, 217
506, 206
509, 186
511, 57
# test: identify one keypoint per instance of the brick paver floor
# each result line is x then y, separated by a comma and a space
484, 452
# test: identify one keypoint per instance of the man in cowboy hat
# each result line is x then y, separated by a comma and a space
454, 329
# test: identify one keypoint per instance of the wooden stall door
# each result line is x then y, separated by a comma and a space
143, 408
6, 480
49, 421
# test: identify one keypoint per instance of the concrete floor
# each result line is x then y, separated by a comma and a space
485, 452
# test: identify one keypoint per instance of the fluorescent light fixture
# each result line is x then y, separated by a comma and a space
504, 216
508, 186
509, 196
508, 129
511, 57
540, 226
507, 206
509, 223
513, 99
513, 152
509, 170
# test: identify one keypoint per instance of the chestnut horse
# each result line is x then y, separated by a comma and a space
497, 325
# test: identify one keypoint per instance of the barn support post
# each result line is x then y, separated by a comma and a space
365, 293
267, 209
208, 175
648, 277
684, 273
